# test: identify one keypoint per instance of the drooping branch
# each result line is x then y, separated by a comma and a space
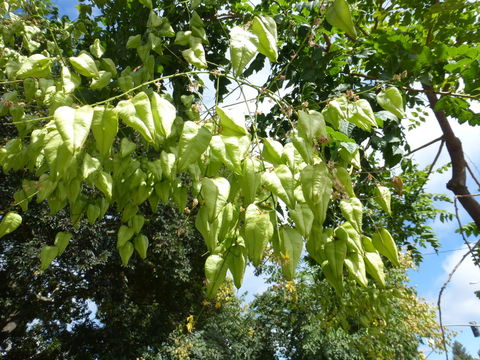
458, 182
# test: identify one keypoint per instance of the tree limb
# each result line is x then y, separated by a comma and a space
458, 182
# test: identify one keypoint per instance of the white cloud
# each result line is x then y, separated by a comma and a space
459, 303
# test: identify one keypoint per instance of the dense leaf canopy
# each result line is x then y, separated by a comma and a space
111, 119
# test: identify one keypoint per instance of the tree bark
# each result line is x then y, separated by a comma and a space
458, 182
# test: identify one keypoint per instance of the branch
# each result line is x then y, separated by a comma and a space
409, 89
458, 182
425, 145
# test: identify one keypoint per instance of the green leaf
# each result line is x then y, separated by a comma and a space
303, 218
231, 150
352, 210
147, 3
134, 41
391, 100
291, 247
281, 183
233, 122
335, 251
84, 65
266, 30
383, 198
272, 151
36, 65
126, 252
103, 80
97, 49
215, 194
167, 161
383, 242
343, 178
243, 48
361, 115
141, 245
93, 213
109, 65
355, 264
89, 165
164, 114
374, 267
311, 126
258, 232
250, 179
338, 15
104, 128
317, 189
209, 230
10, 222
127, 147
137, 113
215, 272
73, 125
104, 183
195, 55
47, 255
124, 234
136, 223
61, 241
193, 143
236, 260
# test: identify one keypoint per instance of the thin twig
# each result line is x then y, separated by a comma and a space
460, 227
472, 174
425, 145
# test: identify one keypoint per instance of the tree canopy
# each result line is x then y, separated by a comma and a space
109, 120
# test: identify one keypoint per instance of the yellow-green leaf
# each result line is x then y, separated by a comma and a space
243, 47
126, 252
291, 246
104, 128
137, 113
61, 241
266, 30
10, 222
193, 143
141, 245
391, 100
164, 115
384, 243
47, 255
258, 232
338, 15
73, 125
84, 65
215, 272
383, 198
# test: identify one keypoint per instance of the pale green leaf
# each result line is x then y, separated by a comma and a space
215, 272
193, 143
215, 194
97, 49
137, 113
164, 114
10, 222
47, 255
61, 241
291, 246
338, 15
243, 47
391, 100
233, 122
84, 65
266, 30
73, 125
104, 128
36, 65
258, 232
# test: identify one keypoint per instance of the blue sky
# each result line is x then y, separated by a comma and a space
459, 304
